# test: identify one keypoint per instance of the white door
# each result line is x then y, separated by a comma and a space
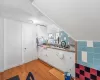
29, 51
12, 44
43, 54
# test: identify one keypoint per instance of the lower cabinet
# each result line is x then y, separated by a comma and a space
62, 60
42, 54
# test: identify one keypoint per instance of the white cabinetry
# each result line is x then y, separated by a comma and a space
43, 54
50, 56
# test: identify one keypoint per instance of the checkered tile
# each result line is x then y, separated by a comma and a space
86, 73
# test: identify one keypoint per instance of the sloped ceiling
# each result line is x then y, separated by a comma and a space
80, 18
22, 10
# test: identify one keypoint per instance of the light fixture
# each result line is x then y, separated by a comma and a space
35, 21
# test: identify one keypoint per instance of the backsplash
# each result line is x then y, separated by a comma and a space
64, 37
88, 55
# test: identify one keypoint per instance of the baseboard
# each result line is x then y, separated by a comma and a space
13, 66
17, 65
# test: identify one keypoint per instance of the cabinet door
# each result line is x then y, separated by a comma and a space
54, 60
64, 64
43, 54
50, 56
67, 64
70, 62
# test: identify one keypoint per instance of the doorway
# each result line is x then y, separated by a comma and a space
29, 51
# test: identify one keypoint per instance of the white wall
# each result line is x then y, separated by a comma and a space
80, 18
12, 43
53, 28
42, 31
1, 44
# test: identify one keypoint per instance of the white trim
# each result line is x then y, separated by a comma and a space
22, 43
2, 70
3, 44
12, 66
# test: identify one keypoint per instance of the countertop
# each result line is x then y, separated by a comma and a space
57, 48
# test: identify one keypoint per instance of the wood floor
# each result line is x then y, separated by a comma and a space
39, 70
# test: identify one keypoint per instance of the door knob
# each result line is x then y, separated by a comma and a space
25, 48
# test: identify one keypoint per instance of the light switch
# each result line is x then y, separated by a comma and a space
89, 43
84, 56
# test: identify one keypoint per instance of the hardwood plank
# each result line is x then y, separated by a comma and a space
57, 73
1, 76
38, 68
